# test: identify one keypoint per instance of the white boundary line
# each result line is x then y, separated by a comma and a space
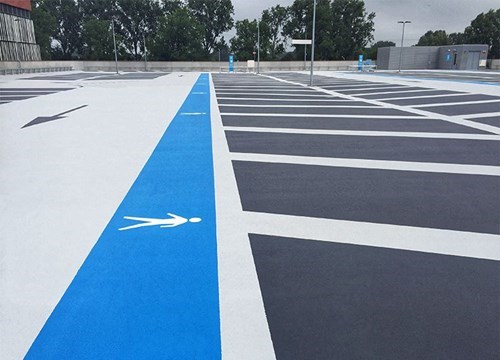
301, 106
245, 333
457, 103
371, 164
326, 115
365, 133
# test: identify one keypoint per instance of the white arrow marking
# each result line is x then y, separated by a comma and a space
174, 220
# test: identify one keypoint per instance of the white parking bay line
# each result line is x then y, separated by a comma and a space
482, 115
426, 96
457, 103
393, 92
329, 99
371, 164
366, 133
435, 241
310, 94
324, 115
301, 106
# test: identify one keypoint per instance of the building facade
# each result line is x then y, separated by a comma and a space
449, 57
17, 35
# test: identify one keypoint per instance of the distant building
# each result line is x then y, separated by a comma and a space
449, 57
17, 35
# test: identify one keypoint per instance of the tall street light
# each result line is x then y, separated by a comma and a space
313, 40
114, 44
258, 46
404, 22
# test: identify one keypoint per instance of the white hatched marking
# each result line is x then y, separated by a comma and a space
327, 115
458, 103
483, 115
301, 106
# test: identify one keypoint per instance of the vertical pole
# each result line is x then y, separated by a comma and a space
114, 44
402, 41
312, 47
305, 50
17, 45
145, 52
258, 46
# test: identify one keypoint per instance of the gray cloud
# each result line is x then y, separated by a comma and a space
448, 15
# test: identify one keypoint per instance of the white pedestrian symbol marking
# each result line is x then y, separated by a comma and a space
172, 221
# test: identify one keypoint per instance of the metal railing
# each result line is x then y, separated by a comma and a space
34, 70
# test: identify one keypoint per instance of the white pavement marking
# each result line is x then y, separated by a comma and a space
301, 106
435, 241
457, 103
371, 164
56, 174
286, 90
366, 133
325, 115
460, 120
172, 221
382, 88
393, 92
245, 333
482, 115
309, 94
426, 96
329, 99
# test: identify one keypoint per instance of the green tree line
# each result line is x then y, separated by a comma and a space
484, 29
194, 30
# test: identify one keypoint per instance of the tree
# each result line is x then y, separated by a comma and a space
352, 27
456, 38
177, 37
97, 9
66, 39
343, 27
215, 17
371, 52
98, 40
135, 21
244, 43
45, 25
485, 29
275, 19
434, 38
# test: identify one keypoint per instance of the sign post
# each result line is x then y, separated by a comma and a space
231, 63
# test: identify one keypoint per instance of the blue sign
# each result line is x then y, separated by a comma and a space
231, 63
360, 62
448, 57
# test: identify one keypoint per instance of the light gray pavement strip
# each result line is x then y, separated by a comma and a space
60, 184
244, 331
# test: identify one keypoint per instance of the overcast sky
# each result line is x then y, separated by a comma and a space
448, 15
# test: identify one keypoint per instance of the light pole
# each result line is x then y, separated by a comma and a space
114, 44
17, 51
258, 46
313, 40
144, 41
404, 22
305, 49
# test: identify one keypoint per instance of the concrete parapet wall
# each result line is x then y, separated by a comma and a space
8, 67
495, 64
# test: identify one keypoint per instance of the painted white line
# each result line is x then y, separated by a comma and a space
435, 241
193, 113
482, 115
382, 88
326, 115
311, 94
458, 103
257, 90
301, 106
392, 92
329, 99
426, 96
453, 119
366, 133
245, 333
371, 164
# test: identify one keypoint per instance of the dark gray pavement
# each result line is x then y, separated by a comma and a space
311, 164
